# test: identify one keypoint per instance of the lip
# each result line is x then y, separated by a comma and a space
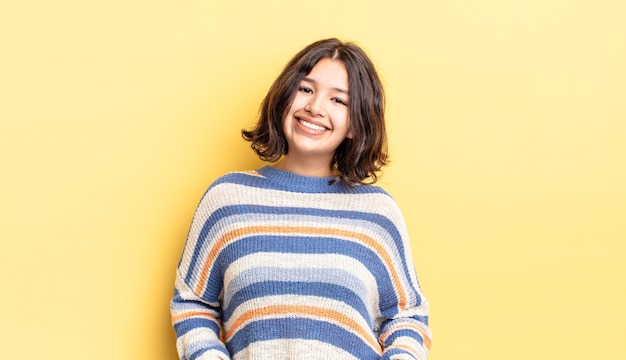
300, 119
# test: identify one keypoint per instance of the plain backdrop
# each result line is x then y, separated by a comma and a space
507, 130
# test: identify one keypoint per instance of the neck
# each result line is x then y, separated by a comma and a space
306, 167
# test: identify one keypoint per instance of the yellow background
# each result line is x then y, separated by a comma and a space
507, 123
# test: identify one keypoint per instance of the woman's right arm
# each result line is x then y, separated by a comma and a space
196, 324
195, 306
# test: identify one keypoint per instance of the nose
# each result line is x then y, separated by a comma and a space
315, 106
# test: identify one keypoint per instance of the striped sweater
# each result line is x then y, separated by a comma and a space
283, 266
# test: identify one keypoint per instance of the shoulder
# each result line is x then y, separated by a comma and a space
371, 199
237, 177
384, 203
370, 189
229, 188
375, 194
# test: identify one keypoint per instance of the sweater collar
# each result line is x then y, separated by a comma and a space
295, 182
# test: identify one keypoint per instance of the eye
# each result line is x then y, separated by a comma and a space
305, 89
340, 101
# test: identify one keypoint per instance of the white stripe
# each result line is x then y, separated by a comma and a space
197, 339
329, 201
412, 343
288, 349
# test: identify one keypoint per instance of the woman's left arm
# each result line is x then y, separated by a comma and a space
404, 334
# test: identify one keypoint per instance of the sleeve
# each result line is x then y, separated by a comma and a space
404, 333
196, 306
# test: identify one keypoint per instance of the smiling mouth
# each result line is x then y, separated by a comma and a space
311, 126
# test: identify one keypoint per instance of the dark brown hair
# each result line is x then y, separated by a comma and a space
358, 160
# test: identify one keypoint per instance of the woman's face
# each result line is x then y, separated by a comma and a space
318, 120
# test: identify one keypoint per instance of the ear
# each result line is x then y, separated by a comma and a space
349, 135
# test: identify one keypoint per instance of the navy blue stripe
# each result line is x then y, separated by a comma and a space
199, 353
182, 327
404, 332
300, 184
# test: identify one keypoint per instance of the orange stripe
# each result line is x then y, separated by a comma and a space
277, 310
192, 314
215, 250
228, 237
404, 347
426, 339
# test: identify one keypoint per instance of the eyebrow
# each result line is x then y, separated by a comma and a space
335, 88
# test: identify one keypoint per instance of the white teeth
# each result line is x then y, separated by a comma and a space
312, 126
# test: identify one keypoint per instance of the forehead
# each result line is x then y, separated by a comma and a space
329, 72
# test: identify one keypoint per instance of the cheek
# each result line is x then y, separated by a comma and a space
299, 101
290, 111
345, 119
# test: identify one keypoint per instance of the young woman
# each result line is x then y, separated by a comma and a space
305, 258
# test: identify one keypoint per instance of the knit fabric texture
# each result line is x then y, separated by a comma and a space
283, 266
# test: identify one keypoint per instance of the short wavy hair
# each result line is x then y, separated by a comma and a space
358, 160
